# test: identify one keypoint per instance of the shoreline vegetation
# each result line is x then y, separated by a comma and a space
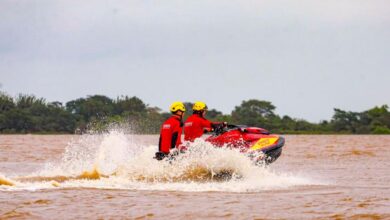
28, 114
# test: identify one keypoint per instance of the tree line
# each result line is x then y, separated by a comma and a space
29, 114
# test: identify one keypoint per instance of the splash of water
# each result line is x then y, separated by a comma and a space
4, 181
114, 160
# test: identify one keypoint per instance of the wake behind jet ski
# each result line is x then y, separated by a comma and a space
258, 143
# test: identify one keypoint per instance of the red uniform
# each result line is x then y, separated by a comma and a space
170, 135
195, 126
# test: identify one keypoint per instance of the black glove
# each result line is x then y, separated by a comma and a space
160, 155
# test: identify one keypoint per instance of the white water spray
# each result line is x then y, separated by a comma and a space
122, 164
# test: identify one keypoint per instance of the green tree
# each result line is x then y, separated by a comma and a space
130, 105
381, 130
255, 113
27, 101
91, 108
344, 121
214, 115
378, 119
287, 124
6, 102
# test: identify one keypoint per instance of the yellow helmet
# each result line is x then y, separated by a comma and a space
177, 106
199, 106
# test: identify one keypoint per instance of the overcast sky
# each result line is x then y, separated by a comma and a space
305, 56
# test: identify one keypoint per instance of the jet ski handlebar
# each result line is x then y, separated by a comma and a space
224, 127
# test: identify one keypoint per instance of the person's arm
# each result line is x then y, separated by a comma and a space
207, 125
177, 135
165, 139
218, 126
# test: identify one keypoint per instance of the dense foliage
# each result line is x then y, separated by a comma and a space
29, 114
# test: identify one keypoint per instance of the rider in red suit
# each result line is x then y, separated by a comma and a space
196, 124
171, 129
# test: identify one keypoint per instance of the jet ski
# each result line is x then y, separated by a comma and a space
261, 146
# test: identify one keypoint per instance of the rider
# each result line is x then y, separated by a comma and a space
197, 124
171, 129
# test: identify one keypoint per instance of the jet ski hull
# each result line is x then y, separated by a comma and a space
261, 146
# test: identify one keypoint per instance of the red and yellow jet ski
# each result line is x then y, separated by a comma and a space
257, 143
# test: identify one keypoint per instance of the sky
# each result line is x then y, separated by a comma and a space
307, 57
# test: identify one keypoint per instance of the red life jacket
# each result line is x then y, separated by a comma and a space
194, 127
170, 135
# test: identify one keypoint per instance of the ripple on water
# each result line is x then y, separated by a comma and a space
16, 214
38, 202
364, 216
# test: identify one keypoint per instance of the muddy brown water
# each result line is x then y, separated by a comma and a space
348, 177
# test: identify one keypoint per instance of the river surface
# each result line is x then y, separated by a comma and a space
113, 176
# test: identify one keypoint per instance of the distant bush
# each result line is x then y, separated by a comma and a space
381, 130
